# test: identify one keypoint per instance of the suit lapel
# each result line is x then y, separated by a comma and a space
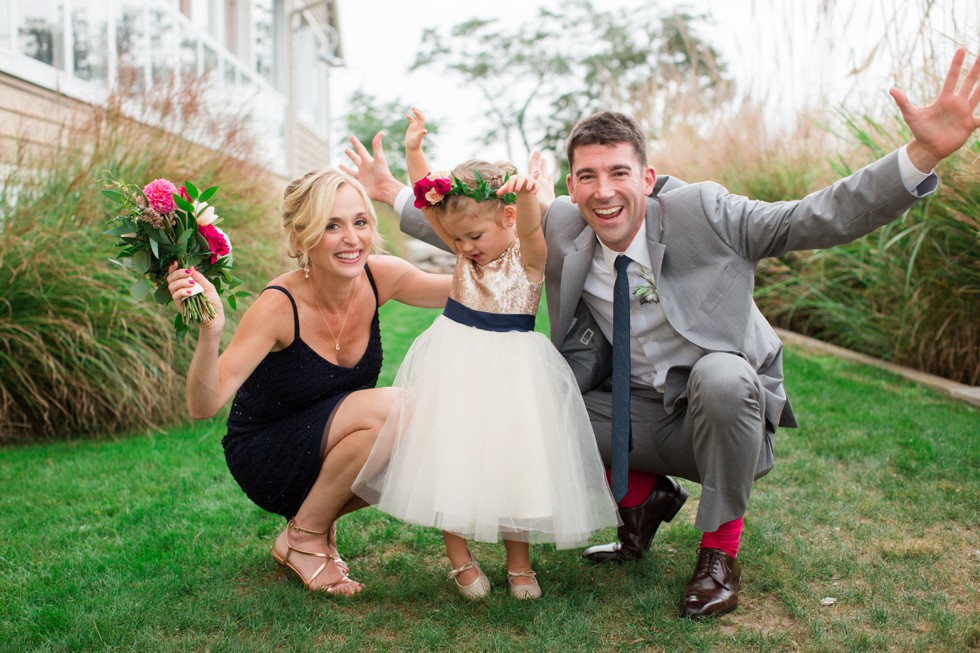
574, 271
655, 231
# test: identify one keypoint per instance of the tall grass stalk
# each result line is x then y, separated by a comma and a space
77, 355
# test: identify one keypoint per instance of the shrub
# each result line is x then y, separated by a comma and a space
78, 356
910, 291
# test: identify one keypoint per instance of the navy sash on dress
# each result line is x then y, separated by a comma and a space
487, 321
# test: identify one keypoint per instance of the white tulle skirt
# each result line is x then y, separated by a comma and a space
489, 439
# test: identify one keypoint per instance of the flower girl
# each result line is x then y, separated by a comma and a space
490, 439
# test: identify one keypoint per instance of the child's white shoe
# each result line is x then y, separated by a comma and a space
530, 591
479, 588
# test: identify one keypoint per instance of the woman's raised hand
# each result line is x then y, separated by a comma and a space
416, 129
182, 283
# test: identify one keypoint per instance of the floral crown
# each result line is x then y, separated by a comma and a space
430, 189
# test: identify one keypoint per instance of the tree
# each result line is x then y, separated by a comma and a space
367, 117
539, 77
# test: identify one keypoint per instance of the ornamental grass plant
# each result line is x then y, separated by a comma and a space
78, 356
909, 292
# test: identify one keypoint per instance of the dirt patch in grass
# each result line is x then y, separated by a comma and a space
763, 614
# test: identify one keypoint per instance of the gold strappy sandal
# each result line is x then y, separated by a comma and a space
335, 587
332, 543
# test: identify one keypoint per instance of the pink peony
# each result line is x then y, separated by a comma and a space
217, 241
183, 194
159, 193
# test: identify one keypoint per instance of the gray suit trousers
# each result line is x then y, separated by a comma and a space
713, 439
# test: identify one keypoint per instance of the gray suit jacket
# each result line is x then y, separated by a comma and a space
704, 245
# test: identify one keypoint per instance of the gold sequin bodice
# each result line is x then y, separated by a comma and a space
500, 286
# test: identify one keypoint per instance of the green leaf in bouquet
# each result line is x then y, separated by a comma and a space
183, 204
202, 243
191, 190
141, 262
113, 195
233, 302
140, 289
180, 327
208, 194
124, 228
162, 294
185, 237
155, 247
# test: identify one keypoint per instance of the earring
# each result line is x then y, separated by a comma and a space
306, 271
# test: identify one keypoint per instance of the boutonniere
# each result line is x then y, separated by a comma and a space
647, 291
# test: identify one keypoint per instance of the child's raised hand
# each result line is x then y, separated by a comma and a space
416, 130
519, 184
537, 167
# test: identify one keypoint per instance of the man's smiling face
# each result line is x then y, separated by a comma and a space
610, 187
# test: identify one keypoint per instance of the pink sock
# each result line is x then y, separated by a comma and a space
726, 538
640, 486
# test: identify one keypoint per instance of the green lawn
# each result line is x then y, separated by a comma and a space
146, 544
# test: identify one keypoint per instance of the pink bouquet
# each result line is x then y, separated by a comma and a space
159, 224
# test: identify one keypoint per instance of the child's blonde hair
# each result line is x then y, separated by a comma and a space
492, 173
305, 210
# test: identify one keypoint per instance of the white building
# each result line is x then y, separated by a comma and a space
57, 53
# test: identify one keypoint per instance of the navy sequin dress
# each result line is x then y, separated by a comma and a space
276, 424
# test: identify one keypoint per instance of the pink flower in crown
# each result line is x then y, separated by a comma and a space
430, 190
159, 193
217, 241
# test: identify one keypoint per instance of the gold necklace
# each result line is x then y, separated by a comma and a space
350, 303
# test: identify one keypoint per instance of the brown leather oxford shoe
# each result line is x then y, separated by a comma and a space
714, 586
640, 523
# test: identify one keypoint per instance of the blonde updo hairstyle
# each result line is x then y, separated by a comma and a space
306, 206
492, 173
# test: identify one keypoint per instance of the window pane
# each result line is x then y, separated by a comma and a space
131, 49
161, 58
263, 30
211, 63
90, 42
188, 55
311, 76
39, 32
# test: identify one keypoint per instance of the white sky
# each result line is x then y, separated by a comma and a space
782, 51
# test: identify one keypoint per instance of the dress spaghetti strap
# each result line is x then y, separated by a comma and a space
373, 287
293, 302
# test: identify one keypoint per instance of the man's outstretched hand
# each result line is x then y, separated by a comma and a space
941, 128
372, 171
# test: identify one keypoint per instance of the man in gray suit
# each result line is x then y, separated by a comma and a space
703, 368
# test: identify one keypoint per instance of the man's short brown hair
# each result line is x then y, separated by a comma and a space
607, 128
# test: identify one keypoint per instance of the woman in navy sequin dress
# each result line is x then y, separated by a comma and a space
302, 366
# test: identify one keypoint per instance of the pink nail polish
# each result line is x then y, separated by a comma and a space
188, 292
191, 281
187, 271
